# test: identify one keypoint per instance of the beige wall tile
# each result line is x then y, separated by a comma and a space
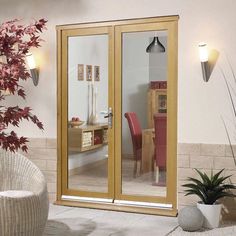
229, 208
183, 160
201, 162
51, 165
51, 143
228, 151
52, 197
37, 143
187, 200
224, 162
43, 153
229, 215
46, 154
50, 176
184, 173
180, 187
229, 203
212, 156
188, 148
52, 188
41, 164
233, 173
212, 149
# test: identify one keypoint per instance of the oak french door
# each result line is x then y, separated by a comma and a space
138, 75
117, 115
87, 96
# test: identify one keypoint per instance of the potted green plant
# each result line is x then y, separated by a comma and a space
210, 189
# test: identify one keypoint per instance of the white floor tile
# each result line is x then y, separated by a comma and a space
71, 221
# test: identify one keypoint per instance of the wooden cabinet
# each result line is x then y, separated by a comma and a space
87, 137
157, 103
147, 150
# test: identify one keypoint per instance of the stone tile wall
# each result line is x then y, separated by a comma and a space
205, 157
43, 152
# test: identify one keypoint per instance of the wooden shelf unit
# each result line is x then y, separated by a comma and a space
86, 138
157, 103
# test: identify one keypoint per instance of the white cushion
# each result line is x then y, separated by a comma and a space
16, 193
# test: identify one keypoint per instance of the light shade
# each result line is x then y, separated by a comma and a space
5, 92
203, 52
33, 69
155, 46
3, 59
30, 61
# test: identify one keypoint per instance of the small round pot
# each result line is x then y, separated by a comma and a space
211, 213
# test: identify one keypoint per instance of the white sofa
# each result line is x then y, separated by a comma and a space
23, 197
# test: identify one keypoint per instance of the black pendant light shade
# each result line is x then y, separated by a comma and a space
155, 46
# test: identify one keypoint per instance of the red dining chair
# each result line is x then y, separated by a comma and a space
160, 124
136, 135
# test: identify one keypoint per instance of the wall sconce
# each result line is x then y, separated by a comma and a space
33, 69
203, 54
3, 59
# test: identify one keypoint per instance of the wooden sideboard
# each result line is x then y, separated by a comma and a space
147, 150
87, 137
157, 103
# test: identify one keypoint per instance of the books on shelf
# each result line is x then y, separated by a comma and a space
158, 85
87, 139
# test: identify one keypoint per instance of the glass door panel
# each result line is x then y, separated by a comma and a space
87, 104
89, 98
144, 113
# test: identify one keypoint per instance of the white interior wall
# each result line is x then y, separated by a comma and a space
135, 79
199, 104
87, 50
158, 61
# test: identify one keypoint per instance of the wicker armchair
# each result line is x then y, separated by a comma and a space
23, 197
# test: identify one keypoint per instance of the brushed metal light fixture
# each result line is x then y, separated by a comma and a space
155, 46
33, 68
203, 54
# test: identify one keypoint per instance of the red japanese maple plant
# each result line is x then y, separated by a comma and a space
16, 40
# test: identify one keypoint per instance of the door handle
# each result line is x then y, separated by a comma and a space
109, 116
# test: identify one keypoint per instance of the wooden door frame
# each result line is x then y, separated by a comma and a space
171, 28
63, 115
172, 131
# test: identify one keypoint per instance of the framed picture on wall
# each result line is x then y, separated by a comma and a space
97, 73
89, 71
80, 71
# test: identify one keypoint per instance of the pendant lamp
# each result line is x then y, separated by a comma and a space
155, 46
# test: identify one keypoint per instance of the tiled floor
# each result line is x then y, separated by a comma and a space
94, 178
71, 221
